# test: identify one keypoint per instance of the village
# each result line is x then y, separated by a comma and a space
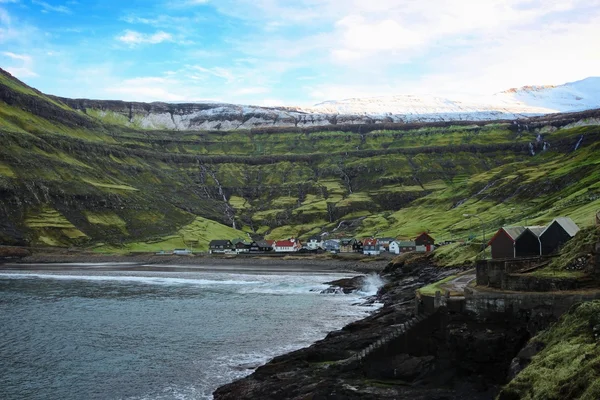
507, 243
368, 246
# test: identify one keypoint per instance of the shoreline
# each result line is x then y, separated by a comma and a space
196, 263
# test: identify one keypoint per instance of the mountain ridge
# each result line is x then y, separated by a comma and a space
508, 105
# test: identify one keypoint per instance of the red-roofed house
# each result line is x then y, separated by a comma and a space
287, 246
371, 247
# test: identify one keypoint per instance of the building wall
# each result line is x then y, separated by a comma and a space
527, 245
502, 246
536, 309
284, 249
423, 241
346, 249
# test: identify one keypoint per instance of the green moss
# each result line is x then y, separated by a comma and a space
6, 171
47, 217
457, 254
106, 219
110, 185
568, 367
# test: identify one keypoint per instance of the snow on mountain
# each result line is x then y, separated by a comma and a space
573, 96
513, 103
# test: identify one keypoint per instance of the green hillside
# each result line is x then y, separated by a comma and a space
68, 178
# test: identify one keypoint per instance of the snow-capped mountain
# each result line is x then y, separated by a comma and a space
528, 100
511, 104
574, 96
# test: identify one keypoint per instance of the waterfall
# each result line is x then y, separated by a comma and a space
531, 150
578, 143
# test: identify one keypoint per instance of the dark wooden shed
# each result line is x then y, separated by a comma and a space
503, 242
528, 243
424, 239
559, 231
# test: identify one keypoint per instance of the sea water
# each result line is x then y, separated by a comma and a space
156, 335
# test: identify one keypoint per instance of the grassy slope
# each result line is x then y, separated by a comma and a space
568, 367
138, 190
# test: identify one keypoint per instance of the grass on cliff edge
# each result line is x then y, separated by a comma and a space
197, 234
569, 365
580, 246
430, 290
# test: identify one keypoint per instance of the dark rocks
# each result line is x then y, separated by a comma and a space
345, 285
405, 367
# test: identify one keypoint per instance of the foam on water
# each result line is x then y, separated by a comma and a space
371, 284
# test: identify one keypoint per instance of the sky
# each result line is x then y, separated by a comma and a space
295, 52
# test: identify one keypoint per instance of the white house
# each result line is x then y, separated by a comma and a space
314, 243
394, 247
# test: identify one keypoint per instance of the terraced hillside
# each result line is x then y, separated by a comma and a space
68, 178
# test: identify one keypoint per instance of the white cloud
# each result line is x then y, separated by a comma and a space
25, 69
219, 72
46, 7
134, 38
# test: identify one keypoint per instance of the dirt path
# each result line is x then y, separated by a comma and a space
458, 284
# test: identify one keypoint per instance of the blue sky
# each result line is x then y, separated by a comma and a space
295, 52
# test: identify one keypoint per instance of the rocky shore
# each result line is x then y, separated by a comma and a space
439, 357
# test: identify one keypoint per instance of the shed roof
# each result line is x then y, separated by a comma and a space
513, 232
406, 243
537, 230
566, 223
425, 234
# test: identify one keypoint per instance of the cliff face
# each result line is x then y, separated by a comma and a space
203, 116
226, 117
